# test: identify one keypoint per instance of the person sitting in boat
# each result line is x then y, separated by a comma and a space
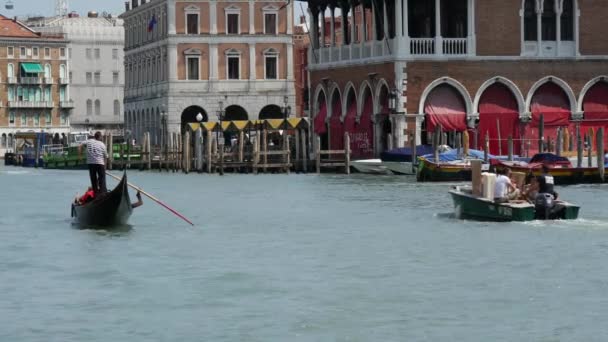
546, 182
88, 196
139, 201
504, 190
531, 188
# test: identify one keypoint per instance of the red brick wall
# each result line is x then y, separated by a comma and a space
498, 27
592, 27
523, 73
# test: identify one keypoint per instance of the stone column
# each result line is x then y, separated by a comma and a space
539, 31
558, 26
289, 10
332, 26
363, 25
345, 25
438, 38
385, 34
251, 16
398, 18
172, 61
314, 27
213, 62
252, 62
406, 28
213, 16
374, 10
290, 62
322, 21
353, 23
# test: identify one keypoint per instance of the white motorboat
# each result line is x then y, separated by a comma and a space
400, 168
370, 166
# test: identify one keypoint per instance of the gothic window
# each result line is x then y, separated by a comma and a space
530, 27
549, 19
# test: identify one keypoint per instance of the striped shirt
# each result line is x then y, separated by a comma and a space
96, 152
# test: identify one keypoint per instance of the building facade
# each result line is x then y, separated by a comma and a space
483, 66
35, 93
183, 58
96, 59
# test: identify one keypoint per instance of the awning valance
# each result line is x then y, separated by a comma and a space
240, 125
32, 68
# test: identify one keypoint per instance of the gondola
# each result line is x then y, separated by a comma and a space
110, 209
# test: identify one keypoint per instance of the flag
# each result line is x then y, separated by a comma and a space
152, 23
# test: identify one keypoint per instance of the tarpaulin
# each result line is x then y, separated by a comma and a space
336, 129
551, 101
361, 139
444, 106
320, 126
498, 107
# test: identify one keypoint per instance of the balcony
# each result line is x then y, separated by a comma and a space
11, 80
31, 104
64, 80
48, 80
30, 80
66, 104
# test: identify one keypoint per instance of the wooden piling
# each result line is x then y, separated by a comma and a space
222, 149
265, 147
347, 152
413, 147
213, 155
559, 144
241, 146
600, 152
499, 137
198, 149
256, 153
287, 154
297, 162
318, 154
579, 146
436, 142
148, 150
304, 151
541, 134
457, 145
110, 151
486, 148
510, 147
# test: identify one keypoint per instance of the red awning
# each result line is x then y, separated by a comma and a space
498, 107
595, 106
444, 106
320, 126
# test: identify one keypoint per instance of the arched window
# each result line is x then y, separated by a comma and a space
97, 107
530, 23
89, 107
10, 141
62, 71
116, 107
567, 20
10, 70
47, 70
549, 20
3, 142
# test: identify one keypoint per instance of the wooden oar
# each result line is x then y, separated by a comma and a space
152, 198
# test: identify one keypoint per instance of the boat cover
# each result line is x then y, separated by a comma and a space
452, 155
548, 158
404, 154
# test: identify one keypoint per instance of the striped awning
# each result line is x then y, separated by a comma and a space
240, 125
32, 68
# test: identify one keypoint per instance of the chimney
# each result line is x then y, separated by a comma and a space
127, 6
134, 3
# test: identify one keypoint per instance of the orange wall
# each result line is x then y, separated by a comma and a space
180, 16
244, 66
259, 62
204, 60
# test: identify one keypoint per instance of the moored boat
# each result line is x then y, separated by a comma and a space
110, 209
370, 166
559, 167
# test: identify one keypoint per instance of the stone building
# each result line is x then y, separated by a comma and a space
96, 56
481, 66
35, 94
183, 58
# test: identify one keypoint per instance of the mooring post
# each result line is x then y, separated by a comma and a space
297, 161
265, 147
347, 152
510, 147
241, 146
600, 152
287, 154
589, 151
436, 141
486, 148
579, 146
305, 153
559, 144
541, 134
148, 149
318, 154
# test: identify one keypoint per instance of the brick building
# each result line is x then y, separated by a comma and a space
183, 58
476, 65
35, 94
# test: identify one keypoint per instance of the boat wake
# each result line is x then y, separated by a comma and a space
579, 223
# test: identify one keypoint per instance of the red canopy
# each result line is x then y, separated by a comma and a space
361, 140
595, 106
336, 129
498, 106
320, 126
445, 106
552, 102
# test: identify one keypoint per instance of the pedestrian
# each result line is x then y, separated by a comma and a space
97, 155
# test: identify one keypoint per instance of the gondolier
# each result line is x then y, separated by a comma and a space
97, 155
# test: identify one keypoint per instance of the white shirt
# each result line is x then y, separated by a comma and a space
500, 187
96, 152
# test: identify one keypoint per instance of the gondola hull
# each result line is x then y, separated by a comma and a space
111, 209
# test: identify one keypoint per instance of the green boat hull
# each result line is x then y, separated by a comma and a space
468, 206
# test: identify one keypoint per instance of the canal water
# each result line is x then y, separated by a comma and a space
295, 258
